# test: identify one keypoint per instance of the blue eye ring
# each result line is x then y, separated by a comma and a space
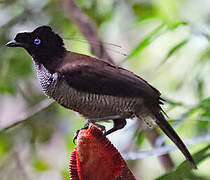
37, 41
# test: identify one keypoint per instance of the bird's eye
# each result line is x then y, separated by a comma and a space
37, 41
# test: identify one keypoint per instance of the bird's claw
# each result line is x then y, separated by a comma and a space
103, 129
75, 136
77, 132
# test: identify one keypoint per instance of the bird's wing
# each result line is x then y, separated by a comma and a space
99, 77
108, 81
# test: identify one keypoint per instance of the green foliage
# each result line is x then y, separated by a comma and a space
5, 144
185, 171
200, 88
146, 41
140, 138
174, 49
167, 10
40, 165
15, 65
143, 10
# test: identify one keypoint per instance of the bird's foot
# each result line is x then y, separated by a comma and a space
77, 132
103, 128
118, 124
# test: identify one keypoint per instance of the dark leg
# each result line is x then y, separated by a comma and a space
77, 132
118, 124
101, 127
86, 127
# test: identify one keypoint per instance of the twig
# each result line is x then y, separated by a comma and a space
19, 18
21, 165
88, 29
160, 151
165, 159
27, 114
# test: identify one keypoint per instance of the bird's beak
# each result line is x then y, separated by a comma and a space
14, 43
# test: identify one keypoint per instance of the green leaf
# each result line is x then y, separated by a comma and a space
20, 65
177, 24
146, 41
174, 49
184, 170
7, 86
40, 165
140, 137
143, 10
167, 10
205, 104
5, 143
200, 88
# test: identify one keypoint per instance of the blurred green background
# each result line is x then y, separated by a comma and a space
167, 42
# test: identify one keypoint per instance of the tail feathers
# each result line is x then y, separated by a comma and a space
170, 132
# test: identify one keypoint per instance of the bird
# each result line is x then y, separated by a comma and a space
96, 89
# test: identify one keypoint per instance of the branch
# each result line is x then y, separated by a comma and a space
160, 151
88, 29
27, 114
165, 159
17, 19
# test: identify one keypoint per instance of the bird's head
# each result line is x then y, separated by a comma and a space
42, 44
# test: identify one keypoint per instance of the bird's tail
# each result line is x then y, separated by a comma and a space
170, 132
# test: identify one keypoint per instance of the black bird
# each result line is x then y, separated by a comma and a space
99, 91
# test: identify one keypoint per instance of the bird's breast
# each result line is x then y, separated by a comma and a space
91, 106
